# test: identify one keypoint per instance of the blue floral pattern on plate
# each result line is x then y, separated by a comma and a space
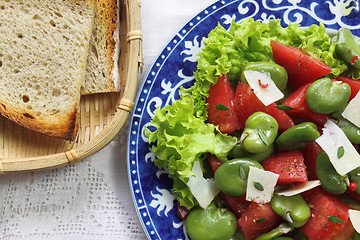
151, 188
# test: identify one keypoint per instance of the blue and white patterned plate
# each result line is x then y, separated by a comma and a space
173, 68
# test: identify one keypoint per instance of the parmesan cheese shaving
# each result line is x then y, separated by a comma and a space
352, 111
263, 86
331, 140
259, 177
204, 190
355, 219
300, 188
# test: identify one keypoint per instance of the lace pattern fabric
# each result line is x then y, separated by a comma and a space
89, 200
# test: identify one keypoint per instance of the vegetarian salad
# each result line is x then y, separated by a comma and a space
265, 144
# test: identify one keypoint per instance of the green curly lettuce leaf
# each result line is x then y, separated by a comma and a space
181, 139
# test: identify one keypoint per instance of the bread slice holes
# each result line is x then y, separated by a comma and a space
16, 71
2, 7
1, 63
52, 23
58, 14
94, 50
3, 106
28, 116
25, 98
19, 35
37, 17
56, 92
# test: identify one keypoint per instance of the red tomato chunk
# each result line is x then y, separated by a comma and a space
214, 162
310, 153
324, 205
289, 165
257, 220
220, 106
301, 67
236, 204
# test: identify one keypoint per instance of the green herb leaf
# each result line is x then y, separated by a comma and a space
258, 186
242, 172
260, 220
221, 107
335, 219
340, 152
284, 107
263, 136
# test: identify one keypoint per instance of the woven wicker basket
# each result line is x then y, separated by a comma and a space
101, 115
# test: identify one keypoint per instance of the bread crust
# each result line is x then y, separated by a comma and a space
110, 8
66, 128
107, 18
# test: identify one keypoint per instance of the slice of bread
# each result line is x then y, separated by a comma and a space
43, 51
102, 73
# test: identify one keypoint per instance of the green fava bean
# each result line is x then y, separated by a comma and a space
260, 132
238, 236
351, 131
354, 176
351, 202
211, 223
297, 137
327, 96
239, 152
299, 235
331, 180
294, 209
231, 176
347, 48
355, 236
283, 228
277, 73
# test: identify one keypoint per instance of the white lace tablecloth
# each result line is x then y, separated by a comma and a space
92, 199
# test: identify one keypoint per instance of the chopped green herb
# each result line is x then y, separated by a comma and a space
340, 152
221, 107
335, 219
242, 172
260, 220
258, 186
263, 136
284, 107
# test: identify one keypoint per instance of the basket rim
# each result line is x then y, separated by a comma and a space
122, 111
